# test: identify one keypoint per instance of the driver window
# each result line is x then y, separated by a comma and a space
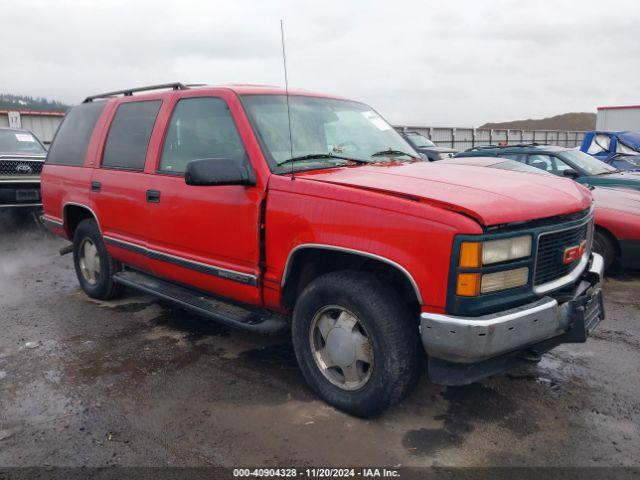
561, 166
543, 162
200, 128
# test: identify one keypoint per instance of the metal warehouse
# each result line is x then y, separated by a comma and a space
620, 118
42, 123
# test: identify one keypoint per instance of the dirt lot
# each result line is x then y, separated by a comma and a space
133, 382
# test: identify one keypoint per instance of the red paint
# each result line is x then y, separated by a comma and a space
618, 212
621, 107
408, 214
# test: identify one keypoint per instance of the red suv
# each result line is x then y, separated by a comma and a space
310, 214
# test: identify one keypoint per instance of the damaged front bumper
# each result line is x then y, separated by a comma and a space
465, 349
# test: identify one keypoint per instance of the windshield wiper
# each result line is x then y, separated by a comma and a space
609, 173
319, 156
392, 152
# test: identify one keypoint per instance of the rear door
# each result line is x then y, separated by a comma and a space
207, 237
119, 183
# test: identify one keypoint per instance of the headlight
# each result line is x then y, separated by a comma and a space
473, 284
494, 282
477, 254
496, 251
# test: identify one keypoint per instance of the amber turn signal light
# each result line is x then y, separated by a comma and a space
471, 254
468, 284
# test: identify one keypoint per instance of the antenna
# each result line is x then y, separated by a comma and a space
286, 90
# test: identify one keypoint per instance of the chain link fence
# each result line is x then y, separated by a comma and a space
464, 138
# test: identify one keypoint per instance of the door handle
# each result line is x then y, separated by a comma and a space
95, 186
153, 196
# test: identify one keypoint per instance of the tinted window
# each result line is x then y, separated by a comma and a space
72, 138
129, 135
21, 142
200, 128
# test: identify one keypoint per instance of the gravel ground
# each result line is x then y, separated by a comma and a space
136, 383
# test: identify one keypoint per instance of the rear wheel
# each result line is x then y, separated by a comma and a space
356, 342
603, 245
94, 266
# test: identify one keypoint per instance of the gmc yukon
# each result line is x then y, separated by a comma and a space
309, 214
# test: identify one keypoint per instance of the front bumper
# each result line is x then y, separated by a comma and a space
20, 192
473, 340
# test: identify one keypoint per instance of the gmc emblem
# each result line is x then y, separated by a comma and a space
573, 254
24, 169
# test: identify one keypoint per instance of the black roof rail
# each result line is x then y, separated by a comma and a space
130, 91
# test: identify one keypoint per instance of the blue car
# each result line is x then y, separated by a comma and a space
621, 150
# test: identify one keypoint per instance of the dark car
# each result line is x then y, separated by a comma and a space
426, 147
617, 214
561, 161
21, 159
621, 150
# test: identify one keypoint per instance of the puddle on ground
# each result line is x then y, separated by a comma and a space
469, 406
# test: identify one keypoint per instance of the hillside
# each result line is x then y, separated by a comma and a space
566, 121
22, 102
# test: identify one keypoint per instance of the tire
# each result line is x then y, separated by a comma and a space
392, 346
603, 245
101, 286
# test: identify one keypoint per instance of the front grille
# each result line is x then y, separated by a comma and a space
20, 167
551, 249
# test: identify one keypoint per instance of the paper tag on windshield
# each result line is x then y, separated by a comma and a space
24, 137
376, 119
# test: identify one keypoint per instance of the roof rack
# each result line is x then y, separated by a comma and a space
130, 91
491, 147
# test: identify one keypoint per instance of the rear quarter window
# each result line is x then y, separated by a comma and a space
72, 138
129, 135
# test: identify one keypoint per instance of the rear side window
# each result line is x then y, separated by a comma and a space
129, 134
200, 128
72, 138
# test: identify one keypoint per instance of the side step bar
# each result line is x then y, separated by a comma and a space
258, 321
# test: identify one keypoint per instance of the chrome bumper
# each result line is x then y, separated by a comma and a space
473, 339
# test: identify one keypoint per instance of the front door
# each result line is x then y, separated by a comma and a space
204, 237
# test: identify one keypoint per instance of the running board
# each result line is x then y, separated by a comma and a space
258, 321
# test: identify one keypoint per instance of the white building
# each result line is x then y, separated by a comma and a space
619, 118
42, 124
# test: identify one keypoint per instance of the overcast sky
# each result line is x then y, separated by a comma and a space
441, 63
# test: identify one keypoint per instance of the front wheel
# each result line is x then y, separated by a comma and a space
356, 342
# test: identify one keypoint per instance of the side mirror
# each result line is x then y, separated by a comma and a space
571, 173
218, 171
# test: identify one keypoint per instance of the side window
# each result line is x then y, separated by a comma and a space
200, 128
129, 135
561, 166
543, 162
513, 156
72, 138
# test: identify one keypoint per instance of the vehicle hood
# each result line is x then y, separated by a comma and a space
620, 179
619, 199
490, 196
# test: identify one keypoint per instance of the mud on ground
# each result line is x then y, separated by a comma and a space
137, 383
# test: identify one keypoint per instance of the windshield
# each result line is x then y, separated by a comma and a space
419, 140
586, 163
19, 142
322, 126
